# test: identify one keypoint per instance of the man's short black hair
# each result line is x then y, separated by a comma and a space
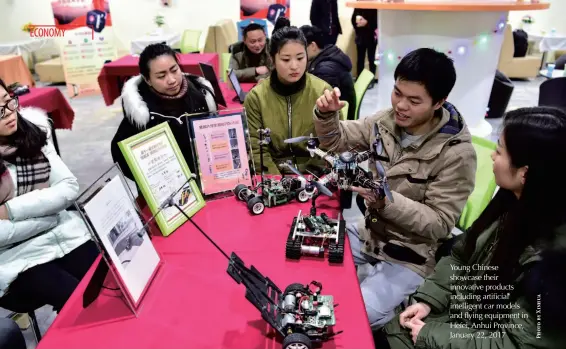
313, 34
252, 27
431, 68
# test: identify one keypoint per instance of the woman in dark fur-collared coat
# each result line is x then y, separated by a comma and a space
162, 93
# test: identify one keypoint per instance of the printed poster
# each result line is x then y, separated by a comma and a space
88, 42
221, 149
121, 231
158, 162
265, 9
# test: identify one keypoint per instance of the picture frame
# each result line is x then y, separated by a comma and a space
159, 169
221, 149
116, 224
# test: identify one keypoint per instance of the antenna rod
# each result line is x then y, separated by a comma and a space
170, 202
164, 205
202, 231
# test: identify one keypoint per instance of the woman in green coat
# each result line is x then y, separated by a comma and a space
502, 285
284, 103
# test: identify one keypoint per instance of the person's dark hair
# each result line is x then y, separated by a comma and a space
29, 138
283, 36
433, 69
313, 34
150, 53
252, 27
534, 137
281, 22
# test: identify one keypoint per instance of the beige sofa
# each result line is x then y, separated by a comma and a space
516, 67
220, 36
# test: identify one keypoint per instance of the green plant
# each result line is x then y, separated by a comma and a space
159, 20
528, 19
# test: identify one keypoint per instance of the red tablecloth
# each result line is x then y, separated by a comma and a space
229, 94
53, 102
113, 74
194, 303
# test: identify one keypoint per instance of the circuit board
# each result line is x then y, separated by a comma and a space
325, 311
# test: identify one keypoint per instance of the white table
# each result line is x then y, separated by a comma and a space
139, 44
549, 42
556, 73
19, 47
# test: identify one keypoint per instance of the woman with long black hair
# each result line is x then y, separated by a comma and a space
161, 93
45, 250
502, 285
284, 103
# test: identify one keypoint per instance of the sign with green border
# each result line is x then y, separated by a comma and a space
160, 169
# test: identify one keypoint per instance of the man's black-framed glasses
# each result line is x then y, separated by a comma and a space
11, 105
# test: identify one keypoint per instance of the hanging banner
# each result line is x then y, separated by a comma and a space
265, 9
87, 42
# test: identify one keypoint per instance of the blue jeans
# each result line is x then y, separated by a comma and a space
11, 336
387, 284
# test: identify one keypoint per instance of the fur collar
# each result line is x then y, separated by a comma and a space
36, 115
136, 109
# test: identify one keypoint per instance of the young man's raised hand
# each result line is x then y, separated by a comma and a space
330, 101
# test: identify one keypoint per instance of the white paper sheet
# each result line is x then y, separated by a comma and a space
117, 224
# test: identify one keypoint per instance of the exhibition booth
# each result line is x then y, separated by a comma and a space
210, 252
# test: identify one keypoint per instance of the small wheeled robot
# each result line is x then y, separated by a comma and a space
316, 236
272, 193
299, 314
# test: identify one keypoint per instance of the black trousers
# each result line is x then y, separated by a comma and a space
11, 336
380, 340
51, 283
330, 39
370, 48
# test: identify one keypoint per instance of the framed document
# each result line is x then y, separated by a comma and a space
160, 169
114, 220
221, 149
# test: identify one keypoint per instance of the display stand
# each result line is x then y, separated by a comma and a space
113, 218
469, 32
159, 168
221, 151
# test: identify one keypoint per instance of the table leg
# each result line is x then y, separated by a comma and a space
543, 60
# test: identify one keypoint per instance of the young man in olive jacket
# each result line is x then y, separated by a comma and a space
430, 169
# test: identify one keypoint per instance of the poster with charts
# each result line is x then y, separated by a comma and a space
88, 42
221, 150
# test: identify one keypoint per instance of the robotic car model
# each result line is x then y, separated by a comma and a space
270, 192
345, 167
315, 235
299, 314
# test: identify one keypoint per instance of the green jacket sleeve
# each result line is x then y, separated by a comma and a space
243, 74
519, 330
436, 289
255, 122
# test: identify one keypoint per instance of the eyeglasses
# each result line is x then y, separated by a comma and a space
11, 105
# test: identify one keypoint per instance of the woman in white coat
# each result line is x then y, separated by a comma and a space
44, 250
